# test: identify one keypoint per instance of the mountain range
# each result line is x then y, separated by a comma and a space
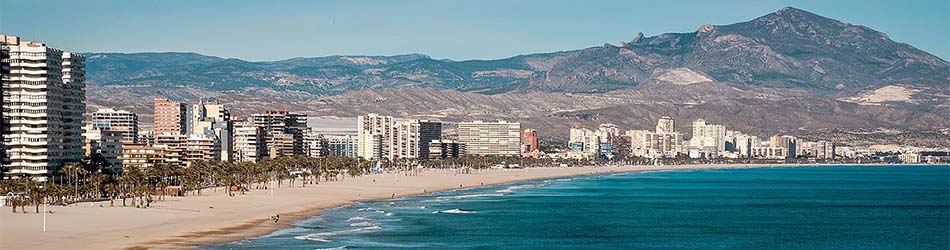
786, 71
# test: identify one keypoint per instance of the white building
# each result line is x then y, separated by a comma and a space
343, 145
708, 138
490, 138
248, 142
210, 118
411, 138
43, 102
665, 142
373, 130
585, 143
313, 144
665, 125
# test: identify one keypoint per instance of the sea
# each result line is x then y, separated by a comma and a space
837, 207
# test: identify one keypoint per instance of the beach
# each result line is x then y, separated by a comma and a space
214, 217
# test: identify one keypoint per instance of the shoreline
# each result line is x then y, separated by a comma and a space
214, 218
316, 211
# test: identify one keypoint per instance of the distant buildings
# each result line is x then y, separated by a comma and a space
665, 125
122, 121
383, 137
106, 144
443, 149
529, 143
410, 138
664, 142
248, 142
190, 130
490, 138
43, 101
586, 144
313, 144
210, 119
142, 155
342, 145
373, 131
283, 132
169, 117
708, 139
788, 144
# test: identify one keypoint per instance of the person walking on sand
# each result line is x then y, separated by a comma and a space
276, 218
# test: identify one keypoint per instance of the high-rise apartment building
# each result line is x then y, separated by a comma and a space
665, 125
211, 118
170, 117
106, 144
313, 144
43, 102
529, 143
410, 138
343, 145
490, 138
788, 143
248, 142
283, 132
121, 121
373, 131
708, 138
665, 142
442, 149
585, 143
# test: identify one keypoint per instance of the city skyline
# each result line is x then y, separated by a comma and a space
792, 121
464, 31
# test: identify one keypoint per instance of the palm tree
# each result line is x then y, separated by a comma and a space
112, 189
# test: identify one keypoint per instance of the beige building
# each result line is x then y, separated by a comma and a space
142, 155
410, 139
170, 117
248, 142
373, 131
490, 138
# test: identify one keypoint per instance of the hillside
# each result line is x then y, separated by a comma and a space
786, 70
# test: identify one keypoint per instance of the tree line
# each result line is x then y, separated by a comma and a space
92, 180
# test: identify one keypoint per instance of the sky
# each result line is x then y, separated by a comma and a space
449, 29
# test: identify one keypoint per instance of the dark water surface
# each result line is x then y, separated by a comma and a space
763, 208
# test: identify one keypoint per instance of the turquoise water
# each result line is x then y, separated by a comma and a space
761, 208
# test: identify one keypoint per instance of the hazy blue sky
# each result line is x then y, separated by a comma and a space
273, 30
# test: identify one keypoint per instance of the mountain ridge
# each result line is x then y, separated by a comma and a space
790, 55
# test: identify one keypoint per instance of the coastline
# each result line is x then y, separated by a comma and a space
212, 218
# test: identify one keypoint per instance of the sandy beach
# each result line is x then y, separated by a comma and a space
183, 222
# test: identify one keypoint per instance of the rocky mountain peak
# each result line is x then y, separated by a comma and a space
637, 38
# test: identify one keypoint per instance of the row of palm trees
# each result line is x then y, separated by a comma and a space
139, 186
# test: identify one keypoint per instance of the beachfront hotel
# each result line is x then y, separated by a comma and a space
490, 138
43, 101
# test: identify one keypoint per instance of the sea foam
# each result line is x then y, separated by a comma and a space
454, 211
